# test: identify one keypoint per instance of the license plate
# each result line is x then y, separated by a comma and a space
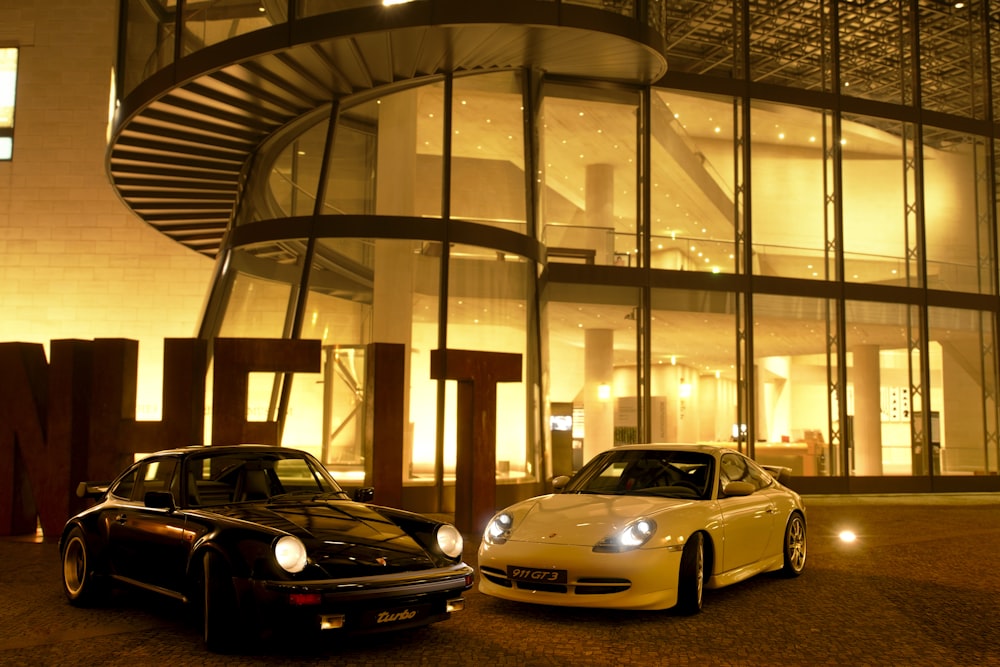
536, 575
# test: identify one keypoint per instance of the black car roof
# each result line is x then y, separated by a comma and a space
222, 449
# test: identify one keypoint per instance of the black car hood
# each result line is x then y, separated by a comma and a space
345, 538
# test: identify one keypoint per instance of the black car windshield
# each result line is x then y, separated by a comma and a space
677, 474
228, 477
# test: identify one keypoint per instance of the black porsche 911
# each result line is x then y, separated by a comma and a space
260, 539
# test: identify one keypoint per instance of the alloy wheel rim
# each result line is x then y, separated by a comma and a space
797, 545
74, 566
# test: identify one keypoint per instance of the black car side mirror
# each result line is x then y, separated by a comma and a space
365, 494
160, 500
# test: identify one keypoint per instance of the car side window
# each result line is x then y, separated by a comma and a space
758, 476
154, 475
735, 468
731, 469
125, 485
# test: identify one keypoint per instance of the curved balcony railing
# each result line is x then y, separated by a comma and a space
159, 32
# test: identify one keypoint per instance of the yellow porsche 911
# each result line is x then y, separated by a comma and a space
646, 527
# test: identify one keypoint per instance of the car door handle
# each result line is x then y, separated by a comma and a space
121, 518
772, 510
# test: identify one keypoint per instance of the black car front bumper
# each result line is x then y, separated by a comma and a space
362, 604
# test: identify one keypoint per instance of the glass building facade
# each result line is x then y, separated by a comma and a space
763, 223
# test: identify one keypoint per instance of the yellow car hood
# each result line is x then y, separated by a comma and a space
585, 519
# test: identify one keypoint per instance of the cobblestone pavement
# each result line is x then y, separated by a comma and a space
920, 586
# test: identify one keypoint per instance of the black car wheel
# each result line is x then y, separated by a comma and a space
795, 546
219, 604
691, 583
81, 586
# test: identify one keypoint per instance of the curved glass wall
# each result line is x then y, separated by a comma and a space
487, 150
773, 248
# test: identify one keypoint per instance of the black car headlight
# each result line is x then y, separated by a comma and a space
449, 540
632, 536
290, 553
498, 529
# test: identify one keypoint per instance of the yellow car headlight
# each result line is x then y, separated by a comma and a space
498, 529
632, 536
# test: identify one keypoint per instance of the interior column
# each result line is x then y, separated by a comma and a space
865, 375
598, 401
394, 260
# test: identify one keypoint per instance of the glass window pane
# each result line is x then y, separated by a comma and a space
215, 21
327, 416
489, 301
592, 362
293, 180
963, 391
877, 185
8, 86
788, 226
693, 373
350, 187
957, 199
692, 184
8, 90
792, 391
487, 151
259, 296
407, 288
316, 7
149, 40
404, 163
589, 166
879, 378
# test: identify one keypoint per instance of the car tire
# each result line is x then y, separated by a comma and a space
691, 580
795, 546
81, 585
220, 610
